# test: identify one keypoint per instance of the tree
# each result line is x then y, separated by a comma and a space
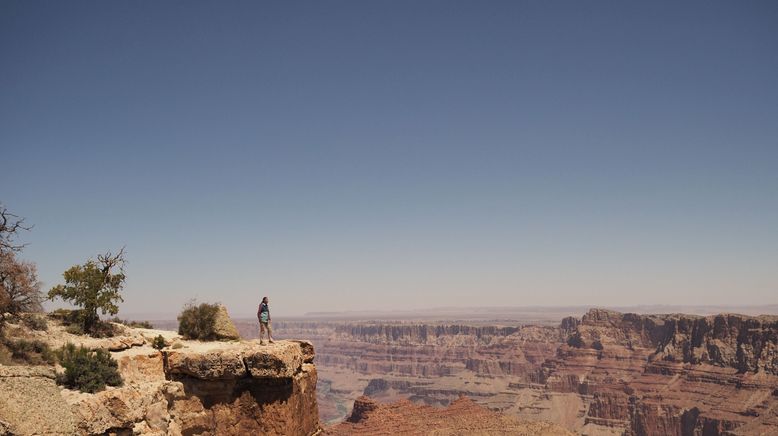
94, 286
19, 285
10, 225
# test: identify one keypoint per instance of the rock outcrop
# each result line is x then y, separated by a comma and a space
223, 327
30, 402
462, 417
202, 388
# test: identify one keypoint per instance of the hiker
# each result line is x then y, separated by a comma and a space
263, 314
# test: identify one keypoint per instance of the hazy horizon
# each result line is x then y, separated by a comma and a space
398, 156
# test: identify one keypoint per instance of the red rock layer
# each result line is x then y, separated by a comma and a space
462, 417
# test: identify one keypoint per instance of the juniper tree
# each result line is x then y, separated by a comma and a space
93, 286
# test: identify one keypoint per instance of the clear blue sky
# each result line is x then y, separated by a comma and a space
386, 155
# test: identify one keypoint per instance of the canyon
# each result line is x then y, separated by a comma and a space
603, 373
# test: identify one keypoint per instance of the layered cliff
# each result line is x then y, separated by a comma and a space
671, 374
203, 388
603, 373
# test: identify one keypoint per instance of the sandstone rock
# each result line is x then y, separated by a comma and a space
307, 349
203, 388
222, 364
281, 359
462, 417
227, 361
362, 407
223, 326
30, 402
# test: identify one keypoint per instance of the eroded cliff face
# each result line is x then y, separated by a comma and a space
671, 374
604, 373
198, 388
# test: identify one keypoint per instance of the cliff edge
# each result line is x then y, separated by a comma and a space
193, 388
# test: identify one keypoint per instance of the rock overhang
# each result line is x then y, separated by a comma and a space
235, 360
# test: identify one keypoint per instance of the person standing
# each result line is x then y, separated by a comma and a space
263, 314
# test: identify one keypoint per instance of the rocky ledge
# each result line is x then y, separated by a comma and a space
202, 388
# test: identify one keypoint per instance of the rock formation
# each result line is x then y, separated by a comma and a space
462, 417
203, 388
223, 327
606, 372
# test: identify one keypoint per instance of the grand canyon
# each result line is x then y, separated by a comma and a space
602, 373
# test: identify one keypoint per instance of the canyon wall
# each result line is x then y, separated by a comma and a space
603, 373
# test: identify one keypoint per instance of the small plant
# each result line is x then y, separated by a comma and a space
103, 329
74, 324
35, 322
597, 345
87, 370
159, 343
575, 340
75, 329
136, 324
67, 316
197, 321
27, 352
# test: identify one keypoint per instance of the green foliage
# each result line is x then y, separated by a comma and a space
73, 320
197, 321
35, 322
103, 329
88, 370
136, 324
93, 286
159, 343
24, 352
575, 340
67, 316
75, 329
597, 345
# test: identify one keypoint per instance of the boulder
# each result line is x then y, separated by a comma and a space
223, 326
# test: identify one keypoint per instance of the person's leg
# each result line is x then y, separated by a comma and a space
261, 332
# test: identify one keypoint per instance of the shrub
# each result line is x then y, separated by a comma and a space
597, 345
87, 370
75, 329
575, 340
128, 323
197, 321
73, 320
102, 329
35, 322
67, 316
159, 343
28, 352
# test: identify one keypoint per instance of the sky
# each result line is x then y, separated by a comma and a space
397, 155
